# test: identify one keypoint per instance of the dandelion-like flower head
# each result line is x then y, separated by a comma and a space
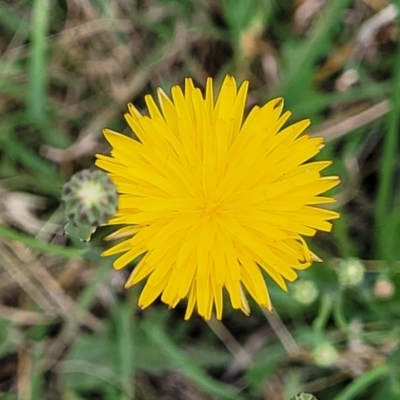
213, 201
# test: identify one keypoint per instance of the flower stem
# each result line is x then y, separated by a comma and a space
323, 313
362, 383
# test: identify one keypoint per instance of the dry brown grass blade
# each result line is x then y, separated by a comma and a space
23, 317
24, 382
23, 277
250, 349
282, 332
40, 285
226, 337
369, 29
335, 129
122, 92
19, 208
56, 347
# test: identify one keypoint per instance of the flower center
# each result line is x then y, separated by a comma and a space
211, 208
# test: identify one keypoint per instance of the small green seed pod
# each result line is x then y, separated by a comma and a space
325, 355
351, 272
305, 291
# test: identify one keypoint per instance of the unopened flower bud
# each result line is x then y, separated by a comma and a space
305, 291
90, 199
351, 272
325, 355
384, 288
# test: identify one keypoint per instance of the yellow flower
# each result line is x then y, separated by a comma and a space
212, 200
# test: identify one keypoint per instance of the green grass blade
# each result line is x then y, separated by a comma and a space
126, 339
186, 366
383, 215
38, 60
10, 19
36, 244
302, 57
362, 383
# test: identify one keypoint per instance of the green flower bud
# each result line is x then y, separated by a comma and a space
305, 291
90, 199
325, 355
351, 272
